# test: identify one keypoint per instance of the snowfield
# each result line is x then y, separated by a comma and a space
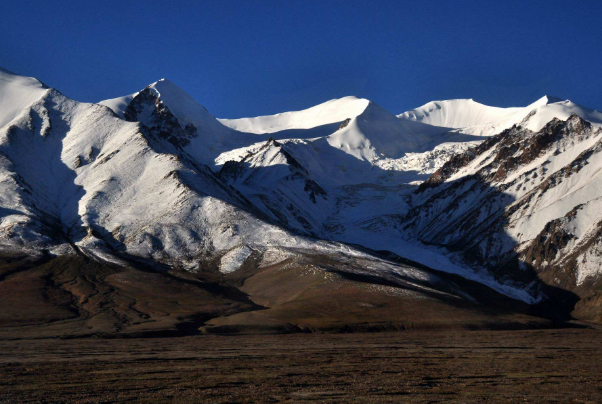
16, 94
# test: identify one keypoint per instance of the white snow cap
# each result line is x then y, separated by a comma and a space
181, 104
477, 119
16, 94
332, 111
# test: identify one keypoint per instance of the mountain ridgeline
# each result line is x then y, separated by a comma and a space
343, 216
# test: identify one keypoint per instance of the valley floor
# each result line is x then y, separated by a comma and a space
554, 365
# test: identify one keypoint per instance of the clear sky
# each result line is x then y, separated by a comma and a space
248, 58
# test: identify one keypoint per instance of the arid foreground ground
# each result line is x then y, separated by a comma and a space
461, 366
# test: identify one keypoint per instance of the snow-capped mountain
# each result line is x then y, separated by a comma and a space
76, 176
475, 119
506, 197
169, 112
358, 127
522, 205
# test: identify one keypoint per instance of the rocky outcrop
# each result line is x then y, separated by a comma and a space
345, 123
546, 247
160, 120
276, 182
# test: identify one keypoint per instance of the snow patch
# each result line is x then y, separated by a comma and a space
233, 259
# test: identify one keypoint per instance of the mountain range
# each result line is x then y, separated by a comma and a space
146, 214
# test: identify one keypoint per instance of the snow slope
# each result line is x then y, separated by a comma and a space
119, 104
280, 186
16, 93
472, 118
459, 113
333, 111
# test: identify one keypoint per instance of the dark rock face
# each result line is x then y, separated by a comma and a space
474, 216
515, 147
546, 247
460, 160
231, 170
345, 123
452, 166
161, 122
314, 190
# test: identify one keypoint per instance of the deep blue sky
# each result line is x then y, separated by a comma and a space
247, 58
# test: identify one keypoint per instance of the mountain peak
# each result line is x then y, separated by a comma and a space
334, 111
546, 100
16, 93
551, 99
7, 75
456, 113
181, 104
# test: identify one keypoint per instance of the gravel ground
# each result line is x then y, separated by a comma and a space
563, 365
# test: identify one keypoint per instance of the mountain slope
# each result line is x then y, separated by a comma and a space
79, 179
523, 205
170, 113
76, 176
367, 205
277, 183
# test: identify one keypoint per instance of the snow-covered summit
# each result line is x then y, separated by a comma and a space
357, 126
459, 113
16, 93
547, 99
333, 111
183, 106
171, 113
377, 132
473, 118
